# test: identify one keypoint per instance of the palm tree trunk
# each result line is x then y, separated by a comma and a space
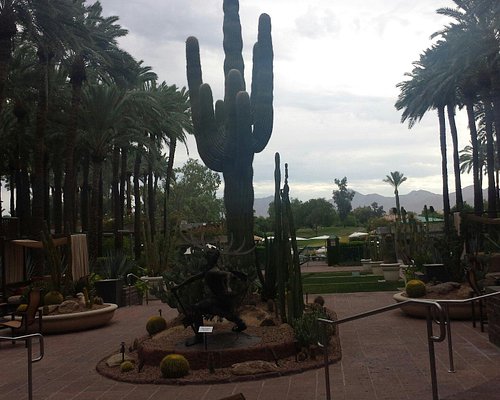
85, 193
137, 206
444, 168
121, 197
456, 158
100, 215
8, 30
151, 200
476, 170
77, 79
57, 195
94, 212
490, 157
115, 196
168, 180
38, 205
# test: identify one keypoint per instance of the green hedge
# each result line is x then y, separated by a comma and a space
345, 253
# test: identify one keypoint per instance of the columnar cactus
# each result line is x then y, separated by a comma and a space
228, 136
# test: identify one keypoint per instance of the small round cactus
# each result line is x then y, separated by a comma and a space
174, 366
126, 366
156, 324
415, 288
53, 297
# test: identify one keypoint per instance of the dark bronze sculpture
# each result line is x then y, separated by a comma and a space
223, 300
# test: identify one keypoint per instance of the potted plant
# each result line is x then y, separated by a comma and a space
113, 268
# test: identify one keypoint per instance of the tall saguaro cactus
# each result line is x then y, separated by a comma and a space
239, 126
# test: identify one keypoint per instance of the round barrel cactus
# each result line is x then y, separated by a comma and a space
174, 366
415, 288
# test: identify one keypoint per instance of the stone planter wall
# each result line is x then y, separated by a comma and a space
493, 310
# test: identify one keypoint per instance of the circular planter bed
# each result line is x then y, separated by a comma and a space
456, 311
78, 321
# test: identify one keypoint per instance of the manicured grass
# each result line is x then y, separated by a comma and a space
350, 287
345, 282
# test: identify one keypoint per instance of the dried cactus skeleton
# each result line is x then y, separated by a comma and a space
239, 126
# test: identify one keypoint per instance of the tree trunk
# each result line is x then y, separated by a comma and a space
100, 214
121, 199
476, 170
151, 200
8, 30
456, 157
38, 205
115, 197
57, 195
490, 157
85, 193
77, 79
168, 180
444, 168
94, 212
137, 204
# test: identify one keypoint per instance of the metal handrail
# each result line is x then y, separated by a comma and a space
31, 360
431, 338
447, 303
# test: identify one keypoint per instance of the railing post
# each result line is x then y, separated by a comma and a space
448, 335
327, 363
432, 355
30, 368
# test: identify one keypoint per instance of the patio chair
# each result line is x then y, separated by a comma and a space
29, 319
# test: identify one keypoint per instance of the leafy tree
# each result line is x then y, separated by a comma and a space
364, 214
194, 193
342, 198
316, 213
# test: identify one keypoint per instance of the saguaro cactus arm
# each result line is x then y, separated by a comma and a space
262, 85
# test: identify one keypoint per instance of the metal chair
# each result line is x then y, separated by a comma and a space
30, 319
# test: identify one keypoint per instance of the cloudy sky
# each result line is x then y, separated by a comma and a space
336, 67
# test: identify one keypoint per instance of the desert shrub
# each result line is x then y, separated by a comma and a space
174, 366
53, 297
126, 366
156, 324
415, 288
307, 330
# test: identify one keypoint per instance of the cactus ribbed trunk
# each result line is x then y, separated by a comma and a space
229, 134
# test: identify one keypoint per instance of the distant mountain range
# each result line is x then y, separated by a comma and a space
413, 201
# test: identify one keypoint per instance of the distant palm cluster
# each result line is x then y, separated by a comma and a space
462, 70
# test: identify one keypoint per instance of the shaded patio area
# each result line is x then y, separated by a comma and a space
384, 357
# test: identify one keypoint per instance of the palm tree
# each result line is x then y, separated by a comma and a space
423, 92
107, 120
395, 179
477, 64
97, 54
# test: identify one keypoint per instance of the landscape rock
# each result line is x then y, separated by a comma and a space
116, 359
68, 306
443, 288
253, 367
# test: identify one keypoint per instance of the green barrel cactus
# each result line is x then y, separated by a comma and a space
156, 324
415, 288
126, 366
229, 134
174, 366
53, 297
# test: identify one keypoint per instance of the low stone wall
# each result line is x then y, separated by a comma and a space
493, 310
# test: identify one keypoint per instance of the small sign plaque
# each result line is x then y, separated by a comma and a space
205, 329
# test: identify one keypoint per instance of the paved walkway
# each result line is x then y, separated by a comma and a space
384, 357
